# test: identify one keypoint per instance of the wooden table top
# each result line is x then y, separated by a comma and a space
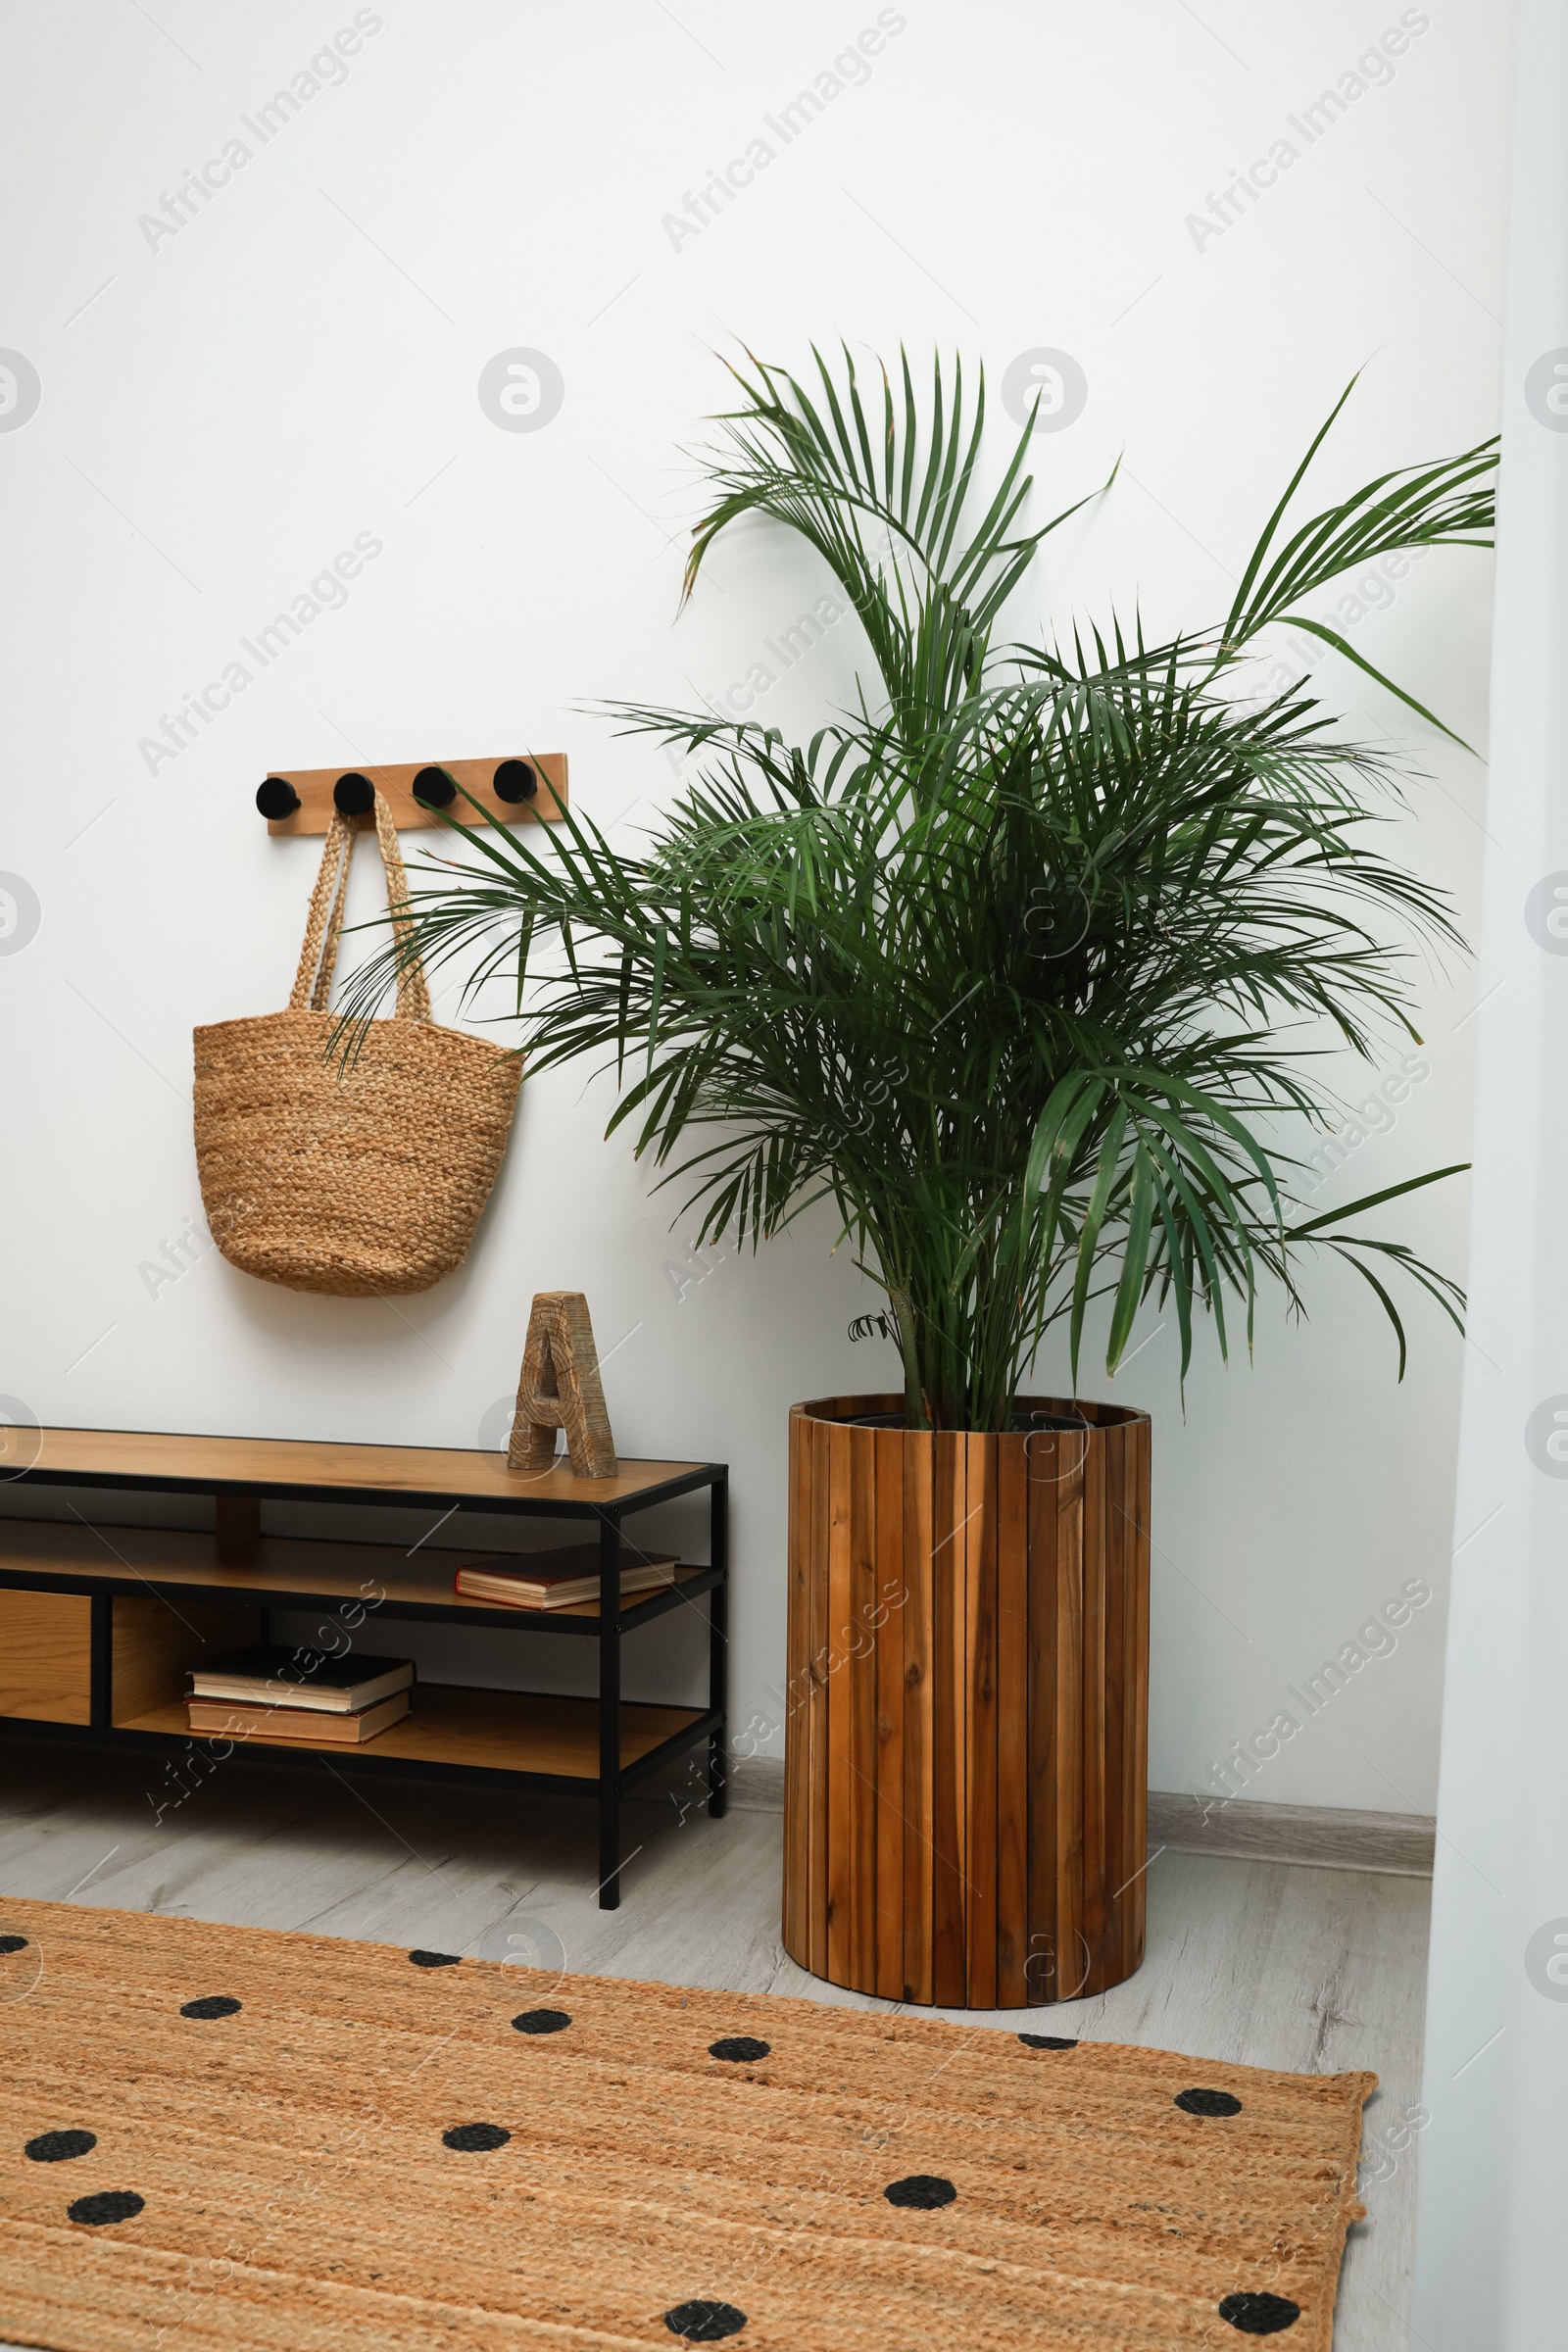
131, 1457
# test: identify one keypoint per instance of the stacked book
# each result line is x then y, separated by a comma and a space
270, 1692
558, 1580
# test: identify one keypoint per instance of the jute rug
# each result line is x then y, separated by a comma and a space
219, 2139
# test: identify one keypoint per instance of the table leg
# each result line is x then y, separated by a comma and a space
101, 1654
609, 1712
718, 1649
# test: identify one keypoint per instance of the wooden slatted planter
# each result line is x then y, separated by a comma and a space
966, 1770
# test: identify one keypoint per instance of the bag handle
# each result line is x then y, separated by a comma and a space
323, 925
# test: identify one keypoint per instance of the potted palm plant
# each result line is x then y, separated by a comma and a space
1019, 964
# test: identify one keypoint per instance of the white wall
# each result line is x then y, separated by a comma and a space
225, 407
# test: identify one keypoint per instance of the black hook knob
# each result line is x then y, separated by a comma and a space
276, 798
434, 788
354, 794
515, 780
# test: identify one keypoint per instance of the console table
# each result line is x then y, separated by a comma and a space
100, 1624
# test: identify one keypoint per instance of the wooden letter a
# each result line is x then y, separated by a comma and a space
560, 1388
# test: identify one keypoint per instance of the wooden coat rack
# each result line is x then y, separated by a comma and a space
519, 789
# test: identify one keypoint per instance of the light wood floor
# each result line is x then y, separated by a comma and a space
1257, 1962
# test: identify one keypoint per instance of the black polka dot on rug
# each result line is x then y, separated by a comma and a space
1260, 2314
13, 1943
109, 2205
55, 2147
211, 2004
1046, 2041
701, 2322
739, 2048
468, 2138
542, 2021
924, 2192
437, 1959
1207, 2102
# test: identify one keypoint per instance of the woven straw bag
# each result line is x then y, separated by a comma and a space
359, 1177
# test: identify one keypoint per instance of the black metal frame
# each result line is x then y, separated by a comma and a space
615, 1620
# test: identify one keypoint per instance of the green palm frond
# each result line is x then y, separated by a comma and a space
889, 520
1025, 964
1448, 502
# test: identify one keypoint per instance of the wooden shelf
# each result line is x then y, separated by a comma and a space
100, 1624
330, 1472
491, 1731
281, 1567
